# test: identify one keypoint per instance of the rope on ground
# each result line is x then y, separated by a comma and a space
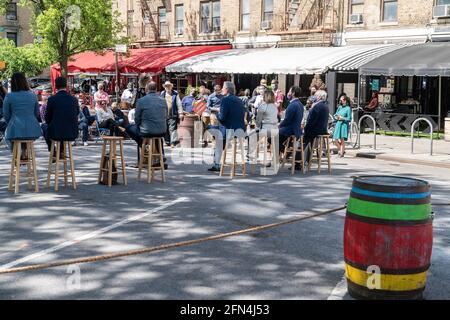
164, 246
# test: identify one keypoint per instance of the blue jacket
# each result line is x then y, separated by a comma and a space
231, 115
317, 123
291, 125
174, 102
214, 100
21, 111
187, 103
62, 116
150, 115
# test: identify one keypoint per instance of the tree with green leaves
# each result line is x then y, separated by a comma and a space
69, 27
30, 59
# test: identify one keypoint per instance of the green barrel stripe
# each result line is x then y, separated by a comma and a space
389, 211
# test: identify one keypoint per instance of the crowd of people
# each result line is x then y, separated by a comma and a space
147, 112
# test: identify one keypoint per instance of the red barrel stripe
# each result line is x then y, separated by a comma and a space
386, 246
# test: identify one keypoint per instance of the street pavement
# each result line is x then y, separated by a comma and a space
398, 149
297, 261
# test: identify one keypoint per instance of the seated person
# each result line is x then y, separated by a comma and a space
291, 125
61, 117
118, 113
373, 104
88, 115
150, 117
83, 127
106, 120
317, 123
231, 117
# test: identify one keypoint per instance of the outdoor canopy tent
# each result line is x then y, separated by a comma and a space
308, 60
427, 59
148, 60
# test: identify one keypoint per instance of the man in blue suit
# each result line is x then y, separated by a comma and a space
61, 117
291, 125
317, 123
231, 117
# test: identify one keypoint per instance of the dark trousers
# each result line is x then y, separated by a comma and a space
308, 145
49, 139
84, 127
90, 120
135, 133
111, 125
282, 140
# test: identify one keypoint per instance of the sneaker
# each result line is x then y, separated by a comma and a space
215, 168
85, 144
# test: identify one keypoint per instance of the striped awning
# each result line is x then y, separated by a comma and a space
308, 60
356, 61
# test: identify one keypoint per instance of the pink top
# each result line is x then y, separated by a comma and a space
100, 97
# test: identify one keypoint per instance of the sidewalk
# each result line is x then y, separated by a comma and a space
398, 149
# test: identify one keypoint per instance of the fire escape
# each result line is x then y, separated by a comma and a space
155, 35
309, 23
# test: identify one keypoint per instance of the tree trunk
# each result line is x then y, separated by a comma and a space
64, 65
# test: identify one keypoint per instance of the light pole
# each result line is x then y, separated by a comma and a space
120, 48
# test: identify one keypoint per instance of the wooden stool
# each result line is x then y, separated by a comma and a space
16, 162
55, 157
223, 163
320, 145
149, 152
293, 147
263, 141
108, 163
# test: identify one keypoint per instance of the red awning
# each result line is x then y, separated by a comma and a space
149, 60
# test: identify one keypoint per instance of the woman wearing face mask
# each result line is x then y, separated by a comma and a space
343, 117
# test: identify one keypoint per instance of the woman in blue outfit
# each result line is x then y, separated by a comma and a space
21, 112
342, 117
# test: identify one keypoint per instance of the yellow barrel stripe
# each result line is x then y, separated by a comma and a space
389, 282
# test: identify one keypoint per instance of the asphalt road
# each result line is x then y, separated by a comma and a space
298, 261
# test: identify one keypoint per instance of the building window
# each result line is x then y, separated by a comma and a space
356, 6
442, 2
390, 10
210, 16
162, 20
12, 36
179, 19
267, 10
245, 15
11, 11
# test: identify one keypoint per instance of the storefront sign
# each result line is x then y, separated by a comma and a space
121, 48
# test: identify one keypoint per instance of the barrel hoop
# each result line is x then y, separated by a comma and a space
390, 271
366, 293
389, 212
393, 195
390, 200
388, 282
398, 223
425, 187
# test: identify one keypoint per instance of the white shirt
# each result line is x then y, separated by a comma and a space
127, 96
131, 115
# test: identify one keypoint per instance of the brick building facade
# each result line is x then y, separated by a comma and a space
15, 24
285, 23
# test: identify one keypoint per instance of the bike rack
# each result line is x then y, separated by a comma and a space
374, 131
412, 133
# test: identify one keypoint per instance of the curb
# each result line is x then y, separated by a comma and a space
400, 160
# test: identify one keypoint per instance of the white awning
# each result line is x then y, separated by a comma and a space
308, 60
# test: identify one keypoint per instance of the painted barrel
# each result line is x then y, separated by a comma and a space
186, 131
388, 237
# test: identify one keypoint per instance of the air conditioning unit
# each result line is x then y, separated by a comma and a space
266, 24
442, 11
179, 32
356, 18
